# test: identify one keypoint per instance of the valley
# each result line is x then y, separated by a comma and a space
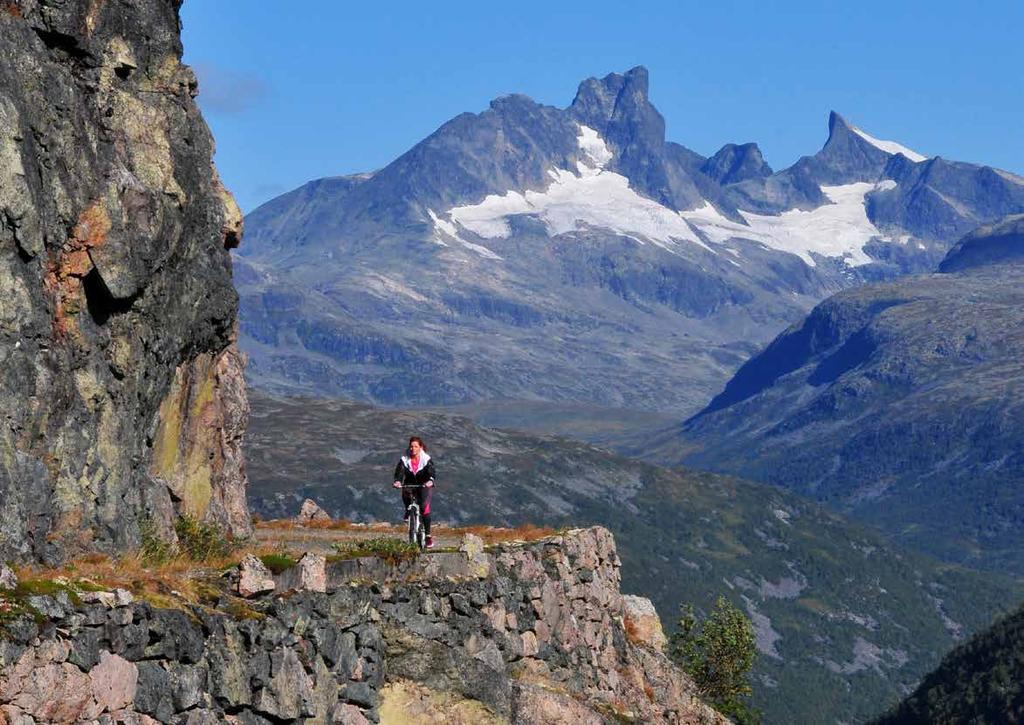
833, 603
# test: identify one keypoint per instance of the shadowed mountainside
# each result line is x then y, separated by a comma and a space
901, 404
981, 681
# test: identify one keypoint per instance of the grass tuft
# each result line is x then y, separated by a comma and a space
154, 549
278, 562
200, 541
393, 551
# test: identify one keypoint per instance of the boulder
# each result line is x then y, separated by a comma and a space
642, 623
308, 574
313, 572
254, 577
312, 513
479, 563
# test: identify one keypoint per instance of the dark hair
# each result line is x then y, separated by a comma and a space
419, 440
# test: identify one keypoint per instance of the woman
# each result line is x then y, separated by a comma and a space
417, 469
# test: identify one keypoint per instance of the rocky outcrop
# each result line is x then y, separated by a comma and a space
526, 633
121, 388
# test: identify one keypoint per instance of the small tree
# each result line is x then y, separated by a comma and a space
718, 654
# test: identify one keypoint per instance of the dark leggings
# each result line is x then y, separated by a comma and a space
422, 495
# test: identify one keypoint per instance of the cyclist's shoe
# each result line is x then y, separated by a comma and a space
430, 542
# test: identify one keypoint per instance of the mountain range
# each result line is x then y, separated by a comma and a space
535, 253
900, 403
845, 621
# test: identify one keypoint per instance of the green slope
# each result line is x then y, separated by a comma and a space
980, 682
846, 623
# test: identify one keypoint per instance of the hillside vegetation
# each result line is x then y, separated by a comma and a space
980, 682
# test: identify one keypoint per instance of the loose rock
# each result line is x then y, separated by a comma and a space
254, 577
311, 512
8, 579
642, 622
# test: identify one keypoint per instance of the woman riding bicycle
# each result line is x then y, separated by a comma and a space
414, 474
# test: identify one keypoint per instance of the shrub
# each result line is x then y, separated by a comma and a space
201, 541
154, 550
718, 654
197, 541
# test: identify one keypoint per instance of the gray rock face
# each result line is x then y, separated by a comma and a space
549, 245
900, 403
253, 577
116, 322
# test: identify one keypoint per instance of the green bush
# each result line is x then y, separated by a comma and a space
718, 654
277, 562
201, 541
197, 541
154, 549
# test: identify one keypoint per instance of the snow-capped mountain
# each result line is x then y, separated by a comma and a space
535, 253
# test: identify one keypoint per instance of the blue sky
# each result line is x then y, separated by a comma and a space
296, 91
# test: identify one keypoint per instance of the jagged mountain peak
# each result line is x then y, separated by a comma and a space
841, 130
576, 217
737, 162
598, 98
512, 101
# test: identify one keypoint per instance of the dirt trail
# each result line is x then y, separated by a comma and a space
322, 540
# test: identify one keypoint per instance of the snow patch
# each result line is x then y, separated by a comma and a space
592, 196
443, 227
840, 229
890, 147
594, 147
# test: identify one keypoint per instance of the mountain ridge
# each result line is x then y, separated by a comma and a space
532, 239
899, 403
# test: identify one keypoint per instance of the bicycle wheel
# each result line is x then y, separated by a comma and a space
414, 525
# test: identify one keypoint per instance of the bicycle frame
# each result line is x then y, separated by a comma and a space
416, 533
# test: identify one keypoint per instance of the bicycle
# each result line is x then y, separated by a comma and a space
417, 535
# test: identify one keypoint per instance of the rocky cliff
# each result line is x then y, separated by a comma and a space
526, 632
123, 399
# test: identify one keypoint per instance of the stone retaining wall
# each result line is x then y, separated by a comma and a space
520, 633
